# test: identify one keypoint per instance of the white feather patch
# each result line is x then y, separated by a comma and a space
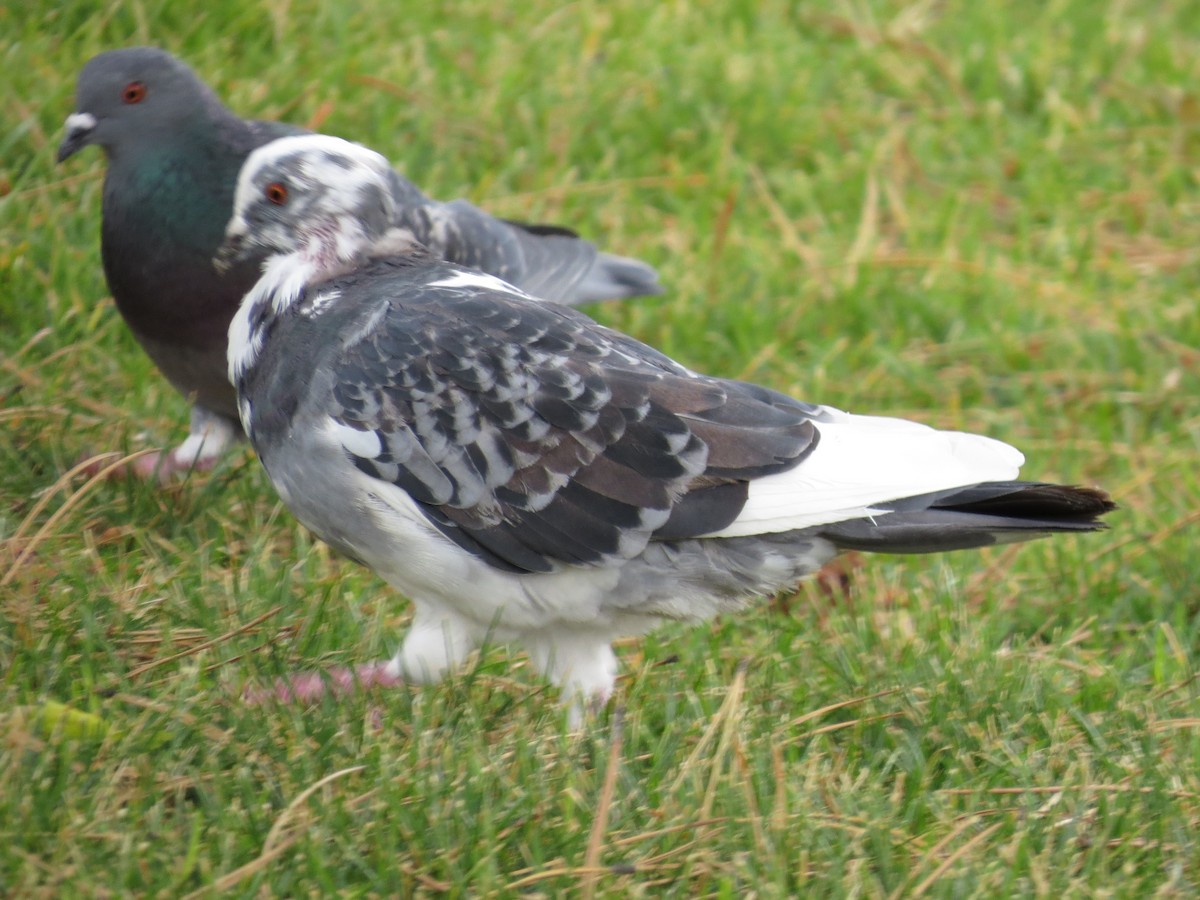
244, 345
865, 460
478, 280
282, 282
317, 304
365, 444
245, 412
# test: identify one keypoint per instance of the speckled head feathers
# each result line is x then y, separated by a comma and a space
325, 197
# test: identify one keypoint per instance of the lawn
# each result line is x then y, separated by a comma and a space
979, 215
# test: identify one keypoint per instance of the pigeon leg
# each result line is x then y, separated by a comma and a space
210, 436
583, 666
438, 641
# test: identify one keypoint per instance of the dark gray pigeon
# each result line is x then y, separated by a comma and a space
523, 473
174, 152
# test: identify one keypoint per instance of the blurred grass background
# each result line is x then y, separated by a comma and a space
982, 216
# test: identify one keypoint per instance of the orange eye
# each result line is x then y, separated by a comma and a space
276, 192
135, 92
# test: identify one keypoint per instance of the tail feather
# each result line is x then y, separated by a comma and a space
546, 261
561, 266
977, 516
1032, 499
540, 229
616, 278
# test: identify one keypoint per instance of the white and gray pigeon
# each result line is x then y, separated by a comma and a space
524, 474
174, 152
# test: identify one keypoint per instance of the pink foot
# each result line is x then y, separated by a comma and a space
165, 466
309, 687
159, 465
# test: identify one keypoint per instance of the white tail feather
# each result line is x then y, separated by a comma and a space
865, 460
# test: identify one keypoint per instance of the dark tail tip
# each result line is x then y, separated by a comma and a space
1034, 500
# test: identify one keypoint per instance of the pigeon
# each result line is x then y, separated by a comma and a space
174, 153
527, 476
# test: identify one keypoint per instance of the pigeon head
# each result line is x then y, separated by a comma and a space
325, 199
136, 97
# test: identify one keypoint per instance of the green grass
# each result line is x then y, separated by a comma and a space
980, 215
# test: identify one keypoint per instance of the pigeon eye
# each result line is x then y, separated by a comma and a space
276, 192
135, 92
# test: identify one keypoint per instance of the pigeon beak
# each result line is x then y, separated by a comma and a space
233, 250
79, 128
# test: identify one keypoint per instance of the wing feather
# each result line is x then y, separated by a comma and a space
533, 437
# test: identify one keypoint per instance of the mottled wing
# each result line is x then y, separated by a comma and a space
532, 437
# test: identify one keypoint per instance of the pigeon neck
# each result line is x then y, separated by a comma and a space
204, 134
175, 187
